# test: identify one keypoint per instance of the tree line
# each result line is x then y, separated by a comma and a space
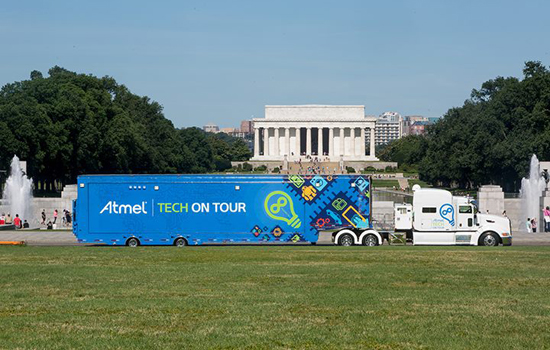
490, 139
69, 124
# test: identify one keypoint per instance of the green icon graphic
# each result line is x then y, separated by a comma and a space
279, 206
339, 203
297, 180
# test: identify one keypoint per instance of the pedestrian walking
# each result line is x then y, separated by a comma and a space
54, 216
43, 217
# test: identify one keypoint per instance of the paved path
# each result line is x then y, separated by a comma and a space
64, 237
44, 237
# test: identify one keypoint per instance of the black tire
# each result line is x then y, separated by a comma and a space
370, 240
180, 242
489, 239
345, 240
132, 242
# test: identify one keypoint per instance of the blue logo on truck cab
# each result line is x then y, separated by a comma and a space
447, 212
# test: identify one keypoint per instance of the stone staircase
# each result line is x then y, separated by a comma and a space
325, 167
403, 183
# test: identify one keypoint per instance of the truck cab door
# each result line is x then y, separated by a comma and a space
466, 225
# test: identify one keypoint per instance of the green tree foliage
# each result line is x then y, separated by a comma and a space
491, 138
69, 124
408, 150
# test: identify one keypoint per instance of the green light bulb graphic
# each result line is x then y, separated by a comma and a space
279, 206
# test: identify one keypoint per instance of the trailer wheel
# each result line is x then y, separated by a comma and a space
345, 240
180, 242
132, 242
488, 239
370, 241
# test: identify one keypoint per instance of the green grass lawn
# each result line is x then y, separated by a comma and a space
385, 183
275, 297
420, 182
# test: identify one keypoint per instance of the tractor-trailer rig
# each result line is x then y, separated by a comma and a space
217, 209
436, 217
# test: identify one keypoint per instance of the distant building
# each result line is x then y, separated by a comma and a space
235, 132
418, 128
416, 124
210, 127
247, 126
389, 127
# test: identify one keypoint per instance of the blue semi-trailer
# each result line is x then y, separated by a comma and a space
211, 209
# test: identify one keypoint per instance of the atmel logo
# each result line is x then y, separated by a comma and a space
112, 207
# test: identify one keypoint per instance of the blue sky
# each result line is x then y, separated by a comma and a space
222, 61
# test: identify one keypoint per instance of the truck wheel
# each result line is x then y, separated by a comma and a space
345, 240
180, 242
370, 241
488, 240
132, 242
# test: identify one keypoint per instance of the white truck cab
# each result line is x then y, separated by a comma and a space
436, 217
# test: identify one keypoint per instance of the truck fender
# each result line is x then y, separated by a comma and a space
343, 232
370, 232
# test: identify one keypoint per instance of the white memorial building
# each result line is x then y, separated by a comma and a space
293, 132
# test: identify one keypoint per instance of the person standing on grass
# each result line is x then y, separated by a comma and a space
54, 216
546, 213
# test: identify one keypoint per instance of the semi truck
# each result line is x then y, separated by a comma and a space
184, 210
436, 217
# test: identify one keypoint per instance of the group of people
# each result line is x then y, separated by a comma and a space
313, 166
16, 221
66, 218
531, 224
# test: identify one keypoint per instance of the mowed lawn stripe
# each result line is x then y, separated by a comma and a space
275, 297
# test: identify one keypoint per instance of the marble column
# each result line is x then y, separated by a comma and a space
308, 141
287, 141
276, 137
266, 141
362, 145
372, 142
320, 142
298, 142
342, 145
256, 142
352, 141
330, 141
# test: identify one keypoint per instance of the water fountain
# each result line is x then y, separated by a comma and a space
531, 191
18, 192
